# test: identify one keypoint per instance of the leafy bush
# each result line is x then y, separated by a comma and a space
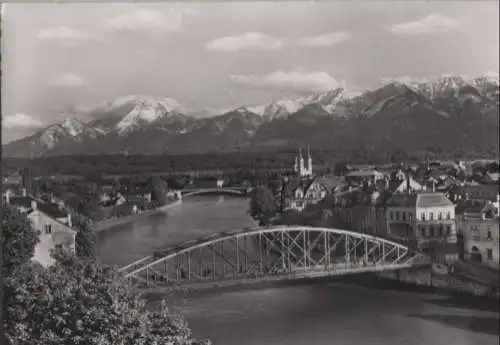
80, 302
18, 238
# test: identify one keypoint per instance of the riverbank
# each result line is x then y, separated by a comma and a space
114, 222
381, 281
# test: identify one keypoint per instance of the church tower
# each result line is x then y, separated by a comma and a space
309, 162
301, 163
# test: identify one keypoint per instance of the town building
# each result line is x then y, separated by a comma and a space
425, 219
480, 233
359, 176
301, 189
55, 225
481, 191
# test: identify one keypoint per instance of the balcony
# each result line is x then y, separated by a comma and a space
434, 221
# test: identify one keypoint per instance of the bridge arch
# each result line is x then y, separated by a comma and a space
227, 191
272, 253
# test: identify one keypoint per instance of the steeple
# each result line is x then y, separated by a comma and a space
309, 161
301, 163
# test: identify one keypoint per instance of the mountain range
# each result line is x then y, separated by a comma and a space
449, 114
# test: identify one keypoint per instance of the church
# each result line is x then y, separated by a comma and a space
302, 188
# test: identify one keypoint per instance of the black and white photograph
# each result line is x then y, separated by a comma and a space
250, 173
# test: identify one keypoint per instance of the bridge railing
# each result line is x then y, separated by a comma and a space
263, 252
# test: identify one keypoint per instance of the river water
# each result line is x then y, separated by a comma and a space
319, 314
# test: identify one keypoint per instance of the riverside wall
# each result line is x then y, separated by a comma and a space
427, 279
113, 222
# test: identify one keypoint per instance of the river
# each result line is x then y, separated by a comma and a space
318, 314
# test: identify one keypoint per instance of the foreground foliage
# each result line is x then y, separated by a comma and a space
86, 241
18, 239
79, 302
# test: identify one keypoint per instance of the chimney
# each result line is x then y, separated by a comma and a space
70, 224
33, 205
23, 191
408, 183
433, 186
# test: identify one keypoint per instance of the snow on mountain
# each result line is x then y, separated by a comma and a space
68, 128
284, 107
134, 111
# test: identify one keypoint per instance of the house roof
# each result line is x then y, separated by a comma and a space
20, 201
420, 200
432, 200
293, 184
363, 173
493, 176
52, 210
331, 182
402, 200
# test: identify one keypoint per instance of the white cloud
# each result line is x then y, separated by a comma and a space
145, 19
296, 80
62, 33
247, 41
20, 121
429, 24
66, 80
325, 40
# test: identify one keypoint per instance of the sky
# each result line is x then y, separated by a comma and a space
217, 56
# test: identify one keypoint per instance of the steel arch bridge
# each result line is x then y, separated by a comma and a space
274, 253
230, 191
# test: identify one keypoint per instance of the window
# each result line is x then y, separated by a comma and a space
431, 230
440, 216
448, 215
48, 228
489, 254
448, 230
488, 234
422, 216
422, 231
440, 231
431, 216
409, 216
391, 216
397, 215
404, 215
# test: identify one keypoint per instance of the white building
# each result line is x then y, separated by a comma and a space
426, 219
55, 226
480, 233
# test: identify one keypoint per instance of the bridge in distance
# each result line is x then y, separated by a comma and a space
235, 191
267, 254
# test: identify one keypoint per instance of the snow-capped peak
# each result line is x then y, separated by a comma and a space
147, 110
169, 104
283, 107
72, 126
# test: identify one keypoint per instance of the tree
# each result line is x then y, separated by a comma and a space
263, 204
86, 241
18, 238
79, 302
159, 190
